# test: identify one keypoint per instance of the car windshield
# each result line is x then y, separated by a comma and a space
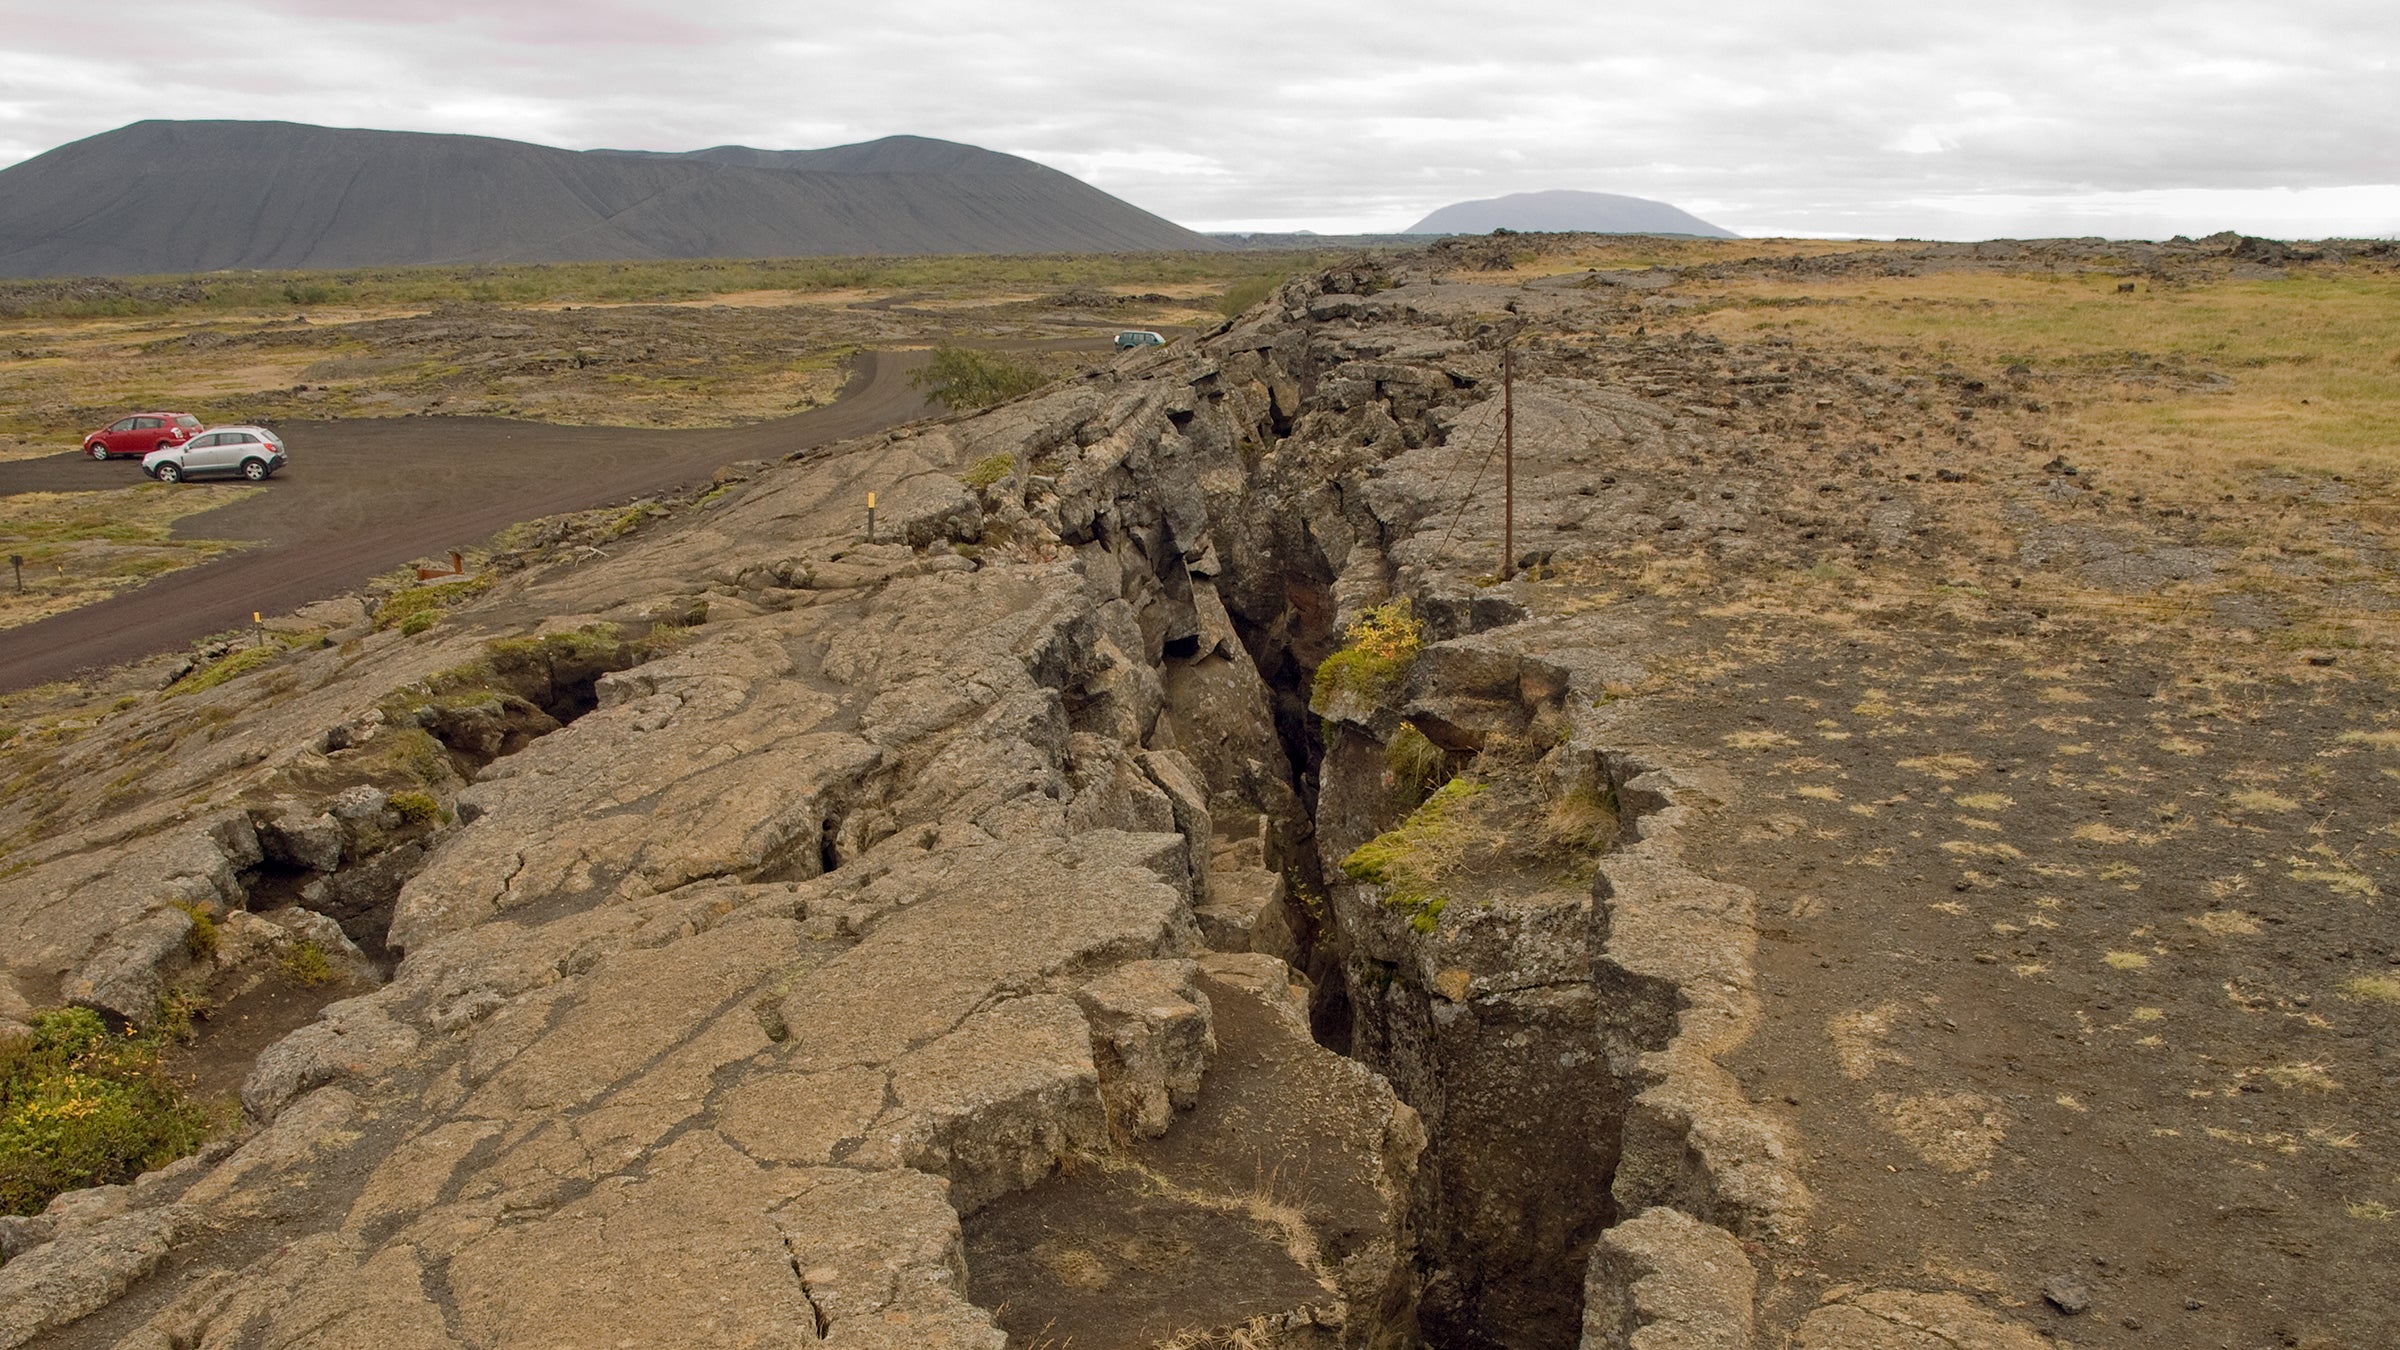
187, 422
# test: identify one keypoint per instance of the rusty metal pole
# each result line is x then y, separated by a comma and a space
1508, 462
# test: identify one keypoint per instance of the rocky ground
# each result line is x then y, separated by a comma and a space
1885, 864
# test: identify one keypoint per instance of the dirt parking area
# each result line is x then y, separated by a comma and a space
360, 498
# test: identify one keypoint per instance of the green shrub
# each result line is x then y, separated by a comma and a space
1409, 861
959, 378
416, 808
1375, 657
81, 1105
417, 623
305, 963
202, 940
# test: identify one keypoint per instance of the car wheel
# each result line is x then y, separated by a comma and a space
255, 470
168, 473
96, 450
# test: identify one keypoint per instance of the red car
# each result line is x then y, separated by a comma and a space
140, 434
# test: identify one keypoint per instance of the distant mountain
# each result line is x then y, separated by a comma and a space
1595, 212
165, 196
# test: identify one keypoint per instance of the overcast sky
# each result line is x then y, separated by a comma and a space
2036, 117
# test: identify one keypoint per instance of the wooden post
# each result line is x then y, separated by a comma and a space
1508, 462
17, 561
870, 517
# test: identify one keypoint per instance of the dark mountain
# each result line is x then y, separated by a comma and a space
1592, 212
202, 196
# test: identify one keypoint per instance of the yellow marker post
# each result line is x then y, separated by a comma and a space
258, 629
870, 517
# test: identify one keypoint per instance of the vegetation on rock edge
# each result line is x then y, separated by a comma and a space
81, 1105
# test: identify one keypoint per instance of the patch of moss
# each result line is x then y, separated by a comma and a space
81, 1105
409, 751
201, 942
526, 674
426, 599
1409, 861
209, 677
1374, 661
989, 470
417, 623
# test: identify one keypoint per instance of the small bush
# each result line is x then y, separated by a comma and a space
416, 808
202, 940
417, 623
305, 963
960, 378
1375, 658
81, 1105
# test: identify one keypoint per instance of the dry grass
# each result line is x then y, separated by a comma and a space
2384, 989
2183, 384
84, 546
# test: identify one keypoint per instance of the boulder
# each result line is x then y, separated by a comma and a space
127, 977
1150, 1042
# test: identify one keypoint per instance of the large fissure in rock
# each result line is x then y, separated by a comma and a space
1425, 854
1443, 836
1469, 989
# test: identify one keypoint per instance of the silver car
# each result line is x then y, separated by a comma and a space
251, 452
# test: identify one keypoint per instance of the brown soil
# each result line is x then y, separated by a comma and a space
1105, 1260
1202, 1228
2056, 939
227, 1040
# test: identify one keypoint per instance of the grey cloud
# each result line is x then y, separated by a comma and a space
1338, 116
